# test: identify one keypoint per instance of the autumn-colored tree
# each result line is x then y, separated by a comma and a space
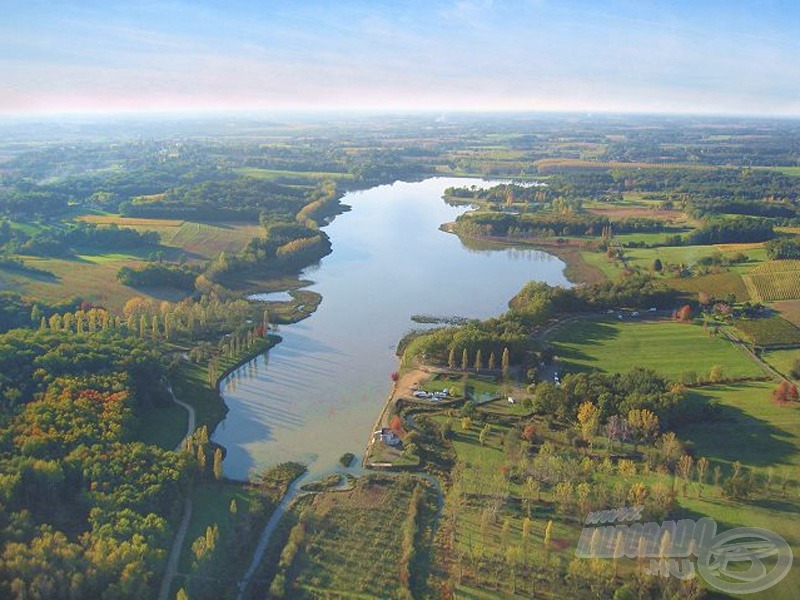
464, 360
396, 424
201, 461
684, 314
492, 361
233, 508
717, 374
451, 358
466, 423
643, 424
588, 420
218, 464
478, 360
505, 363
780, 393
638, 494
564, 494
548, 534
529, 433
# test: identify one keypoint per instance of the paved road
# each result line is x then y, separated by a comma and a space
177, 543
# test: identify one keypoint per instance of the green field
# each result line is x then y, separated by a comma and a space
763, 437
718, 285
782, 360
198, 241
93, 275
667, 347
291, 176
211, 504
675, 255
90, 276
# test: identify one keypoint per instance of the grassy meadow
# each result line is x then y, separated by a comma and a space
670, 348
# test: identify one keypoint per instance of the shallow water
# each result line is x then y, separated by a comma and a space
317, 394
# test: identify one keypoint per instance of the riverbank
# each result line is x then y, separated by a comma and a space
577, 270
190, 382
404, 386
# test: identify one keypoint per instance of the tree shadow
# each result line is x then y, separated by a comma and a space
738, 435
585, 333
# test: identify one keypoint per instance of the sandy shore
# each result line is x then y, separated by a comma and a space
404, 386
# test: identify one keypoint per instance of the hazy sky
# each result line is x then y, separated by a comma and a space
727, 56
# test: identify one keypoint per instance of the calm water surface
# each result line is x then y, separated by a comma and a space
317, 394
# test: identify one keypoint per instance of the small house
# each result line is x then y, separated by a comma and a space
387, 436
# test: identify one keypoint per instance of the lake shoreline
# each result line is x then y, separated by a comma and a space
577, 270
367, 289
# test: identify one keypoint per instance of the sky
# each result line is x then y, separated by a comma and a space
651, 56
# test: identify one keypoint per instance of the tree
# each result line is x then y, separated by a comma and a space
466, 423
643, 424
684, 469
464, 360
478, 360
548, 533
451, 358
487, 429
530, 494
201, 461
396, 424
182, 595
684, 315
717, 374
529, 433
588, 420
505, 363
492, 361
218, 464
638, 494
784, 393
657, 265
233, 508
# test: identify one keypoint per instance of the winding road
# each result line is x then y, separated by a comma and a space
177, 543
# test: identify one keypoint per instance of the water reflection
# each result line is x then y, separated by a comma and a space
321, 389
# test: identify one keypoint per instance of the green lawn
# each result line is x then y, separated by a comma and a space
761, 436
211, 504
668, 347
783, 360
601, 262
164, 426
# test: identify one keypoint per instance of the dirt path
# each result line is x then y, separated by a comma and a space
177, 543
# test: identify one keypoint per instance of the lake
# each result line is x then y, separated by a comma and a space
317, 394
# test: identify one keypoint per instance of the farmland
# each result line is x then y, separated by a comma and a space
673, 349
769, 331
775, 280
373, 520
199, 241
